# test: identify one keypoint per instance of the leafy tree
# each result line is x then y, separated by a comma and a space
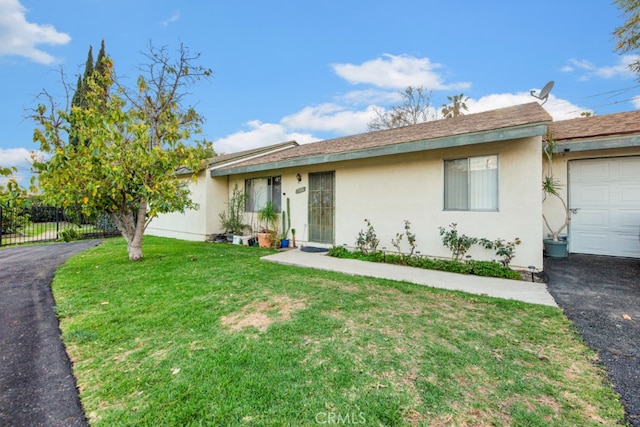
415, 108
135, 141
11, 194
456, 107
12, 199
628, 34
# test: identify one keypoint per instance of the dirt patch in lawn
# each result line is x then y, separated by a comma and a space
260, 315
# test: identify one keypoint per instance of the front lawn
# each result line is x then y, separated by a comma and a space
207, 334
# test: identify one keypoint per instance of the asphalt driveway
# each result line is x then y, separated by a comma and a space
601, 296
36, 384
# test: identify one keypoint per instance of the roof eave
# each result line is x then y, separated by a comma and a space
599, 144
483, 137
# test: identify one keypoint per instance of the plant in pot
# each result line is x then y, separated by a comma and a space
554, 247
286, 225
268, 216
232, 220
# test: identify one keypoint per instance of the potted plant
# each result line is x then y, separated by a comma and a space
268, 216
293, 237
554, 247
286, 225
232, 220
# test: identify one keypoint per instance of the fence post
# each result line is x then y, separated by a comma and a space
57, 222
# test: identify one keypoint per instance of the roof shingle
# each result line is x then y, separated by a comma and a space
609, 125
509, 117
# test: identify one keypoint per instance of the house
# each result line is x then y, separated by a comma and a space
211, 196
481, 171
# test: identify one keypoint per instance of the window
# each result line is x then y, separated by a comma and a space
471, 184
259, 191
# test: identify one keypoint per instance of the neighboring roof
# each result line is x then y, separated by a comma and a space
222, 160
496, 125
597, 132
225, 159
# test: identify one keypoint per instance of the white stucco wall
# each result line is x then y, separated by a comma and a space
391, 189
411, 187
195, 224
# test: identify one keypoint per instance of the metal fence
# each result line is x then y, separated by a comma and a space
40, 223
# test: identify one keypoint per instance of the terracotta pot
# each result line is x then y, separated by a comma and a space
264, 240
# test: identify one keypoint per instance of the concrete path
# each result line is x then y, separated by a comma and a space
535, 293
36, 384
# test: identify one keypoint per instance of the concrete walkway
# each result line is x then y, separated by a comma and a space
534, 293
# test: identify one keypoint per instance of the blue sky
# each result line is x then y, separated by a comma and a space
312, 70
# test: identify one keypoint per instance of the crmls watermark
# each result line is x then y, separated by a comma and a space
350, 418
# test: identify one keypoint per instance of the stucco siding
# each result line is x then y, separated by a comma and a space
194, 224
389, 190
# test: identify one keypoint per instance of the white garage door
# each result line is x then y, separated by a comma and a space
605, 194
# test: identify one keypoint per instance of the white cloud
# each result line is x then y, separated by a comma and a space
588, 70
329, 118
20, 38
397, 72
173, 18
636, 102
259, 135
20, 158
559, 109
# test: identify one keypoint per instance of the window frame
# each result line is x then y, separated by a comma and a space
274, 190
469, 186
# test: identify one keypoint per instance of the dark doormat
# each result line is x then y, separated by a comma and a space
313, 249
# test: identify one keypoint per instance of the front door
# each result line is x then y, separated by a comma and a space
321, 207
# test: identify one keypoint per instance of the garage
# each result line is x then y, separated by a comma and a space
604, 196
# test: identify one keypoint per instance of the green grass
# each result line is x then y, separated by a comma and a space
207, 334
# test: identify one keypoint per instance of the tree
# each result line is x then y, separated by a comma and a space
136, 139
456, 107
628, 34
12, 198
91, 71
414, 109
11, 194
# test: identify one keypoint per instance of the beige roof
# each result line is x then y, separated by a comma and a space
510, 117
609, 125
225, 158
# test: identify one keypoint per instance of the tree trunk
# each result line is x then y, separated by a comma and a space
132, 230
135, 245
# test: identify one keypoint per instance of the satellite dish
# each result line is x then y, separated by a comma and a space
544, 93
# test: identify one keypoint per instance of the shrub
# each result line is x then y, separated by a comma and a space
104, 223
367, 241
13, 220
69, 234
411, 239
505, 250
457, 244
491, 269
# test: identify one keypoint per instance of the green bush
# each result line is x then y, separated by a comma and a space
69, 234
478, 268
14, 220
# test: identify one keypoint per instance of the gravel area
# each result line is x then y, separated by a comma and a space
37, 387
601, 296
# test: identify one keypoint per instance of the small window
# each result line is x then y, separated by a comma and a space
471, 184
259, 191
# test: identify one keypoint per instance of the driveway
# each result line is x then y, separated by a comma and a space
36, 384
601, 296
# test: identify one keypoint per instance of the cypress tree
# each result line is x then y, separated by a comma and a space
91, 71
